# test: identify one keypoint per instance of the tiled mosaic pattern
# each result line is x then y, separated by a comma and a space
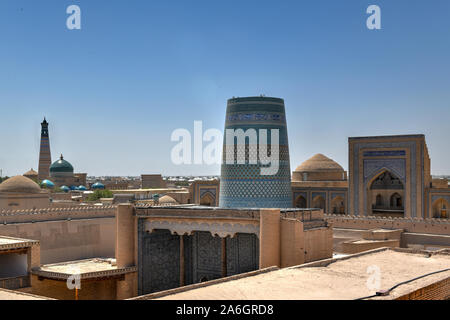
243, 185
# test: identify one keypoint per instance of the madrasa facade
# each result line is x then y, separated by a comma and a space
389, 176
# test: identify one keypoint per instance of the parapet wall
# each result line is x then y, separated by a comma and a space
318, 243
304, 215
56, 214
436, 291
414, 225
65, 234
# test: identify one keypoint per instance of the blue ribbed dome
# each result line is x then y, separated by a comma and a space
65, 188
82, 188
98, 185
61, 166
47, 184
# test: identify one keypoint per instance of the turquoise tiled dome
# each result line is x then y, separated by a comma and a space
47, 184
61, 166
98, 185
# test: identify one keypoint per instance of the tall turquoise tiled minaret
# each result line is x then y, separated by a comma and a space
243, 185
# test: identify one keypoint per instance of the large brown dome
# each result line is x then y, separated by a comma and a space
20, 184
319, 162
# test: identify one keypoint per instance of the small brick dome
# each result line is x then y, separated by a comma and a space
167, 200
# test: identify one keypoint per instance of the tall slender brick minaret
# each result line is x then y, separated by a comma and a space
45, 159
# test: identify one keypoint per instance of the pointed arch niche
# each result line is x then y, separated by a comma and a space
300, 202
386, 195
440, 209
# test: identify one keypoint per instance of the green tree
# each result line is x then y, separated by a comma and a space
100, 194
3, 179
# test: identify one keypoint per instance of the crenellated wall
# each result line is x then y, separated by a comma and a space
414, 225
54, 214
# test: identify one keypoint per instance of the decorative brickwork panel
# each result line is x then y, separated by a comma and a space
188, 260
242, 253
397, 166
159, 257
159, 261
207, 257
245, 184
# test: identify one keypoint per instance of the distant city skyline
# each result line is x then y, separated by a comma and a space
114, 91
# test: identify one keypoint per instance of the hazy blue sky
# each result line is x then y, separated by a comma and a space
115, 90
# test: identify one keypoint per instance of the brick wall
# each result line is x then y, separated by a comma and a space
90, 290
436, 291
65, 234
54, 214
416, 225
318, 243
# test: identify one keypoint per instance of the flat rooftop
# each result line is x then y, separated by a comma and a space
87, 269
217, 213
344, 278
4, 240
191, 207
16, 295
7, 243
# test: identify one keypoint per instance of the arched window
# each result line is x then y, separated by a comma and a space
379, 200
387, 181
396, 201
440, 209
300, 202
319, 202
337, 205
207, 200
386, 195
